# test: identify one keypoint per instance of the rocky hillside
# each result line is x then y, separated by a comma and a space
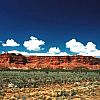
13, 61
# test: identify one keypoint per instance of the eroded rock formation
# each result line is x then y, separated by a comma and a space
13, 61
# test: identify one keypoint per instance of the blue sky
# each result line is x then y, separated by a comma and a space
62, 27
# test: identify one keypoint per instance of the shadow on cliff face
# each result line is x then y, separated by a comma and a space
18, 59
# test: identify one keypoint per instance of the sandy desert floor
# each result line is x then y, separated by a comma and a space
50, 90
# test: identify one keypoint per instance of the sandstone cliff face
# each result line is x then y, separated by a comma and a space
13, 61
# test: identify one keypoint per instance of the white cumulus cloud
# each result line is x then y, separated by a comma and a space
34, 44
90, 46
10, 42
63, 54
75, 46
36, 54
54, 50
87, 50
16, 52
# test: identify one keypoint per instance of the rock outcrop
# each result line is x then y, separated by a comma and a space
13, 61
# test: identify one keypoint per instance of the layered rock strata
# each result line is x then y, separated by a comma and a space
13, 61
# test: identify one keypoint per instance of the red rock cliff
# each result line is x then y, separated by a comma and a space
13, 61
